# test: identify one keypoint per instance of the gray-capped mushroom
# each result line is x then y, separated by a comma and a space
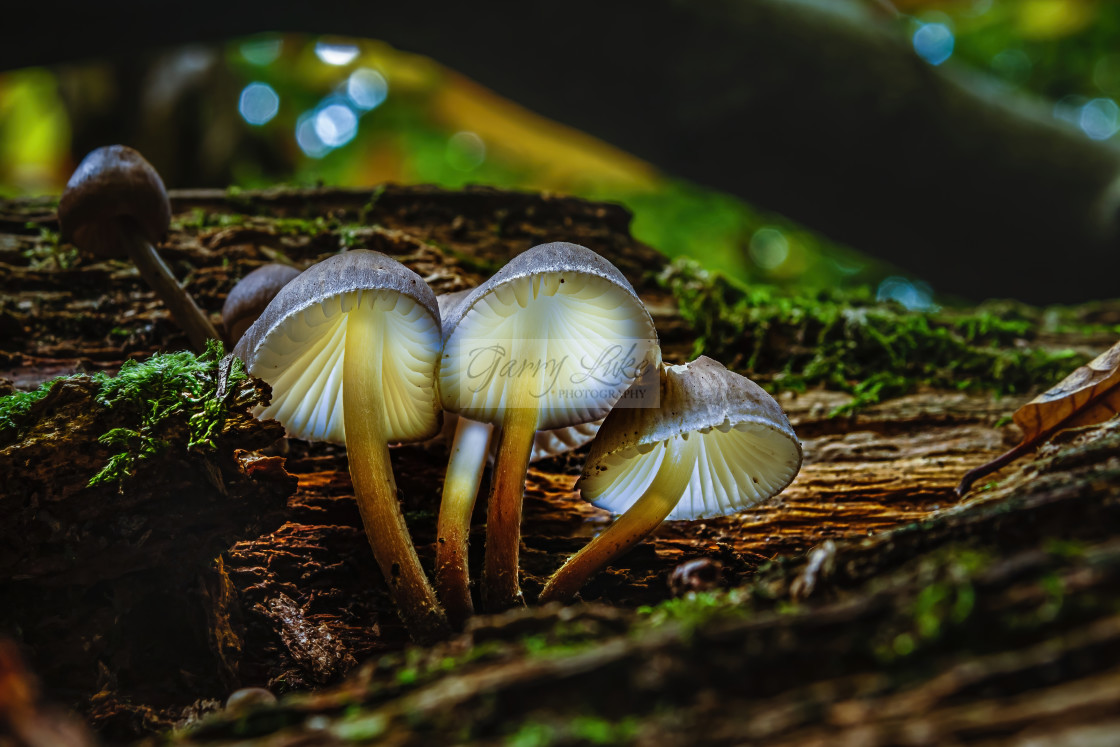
350, 348
115, 206
553, 339
470, 445
470, 448
251, 296
716, 444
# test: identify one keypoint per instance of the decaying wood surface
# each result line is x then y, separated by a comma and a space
847, 644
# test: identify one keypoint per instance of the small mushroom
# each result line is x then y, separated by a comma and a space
350, 348
251, 295
553, 339
115, 206
470, 445
470, 448
248, 699
716, 444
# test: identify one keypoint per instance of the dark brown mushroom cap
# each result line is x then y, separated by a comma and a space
251, 296
747, 451
113, 190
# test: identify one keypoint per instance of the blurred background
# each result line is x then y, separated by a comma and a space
307, 110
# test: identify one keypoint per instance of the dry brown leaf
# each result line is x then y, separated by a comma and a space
1089, 395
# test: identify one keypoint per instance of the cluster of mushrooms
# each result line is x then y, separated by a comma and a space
553, 350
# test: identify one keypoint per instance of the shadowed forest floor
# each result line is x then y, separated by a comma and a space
867, 604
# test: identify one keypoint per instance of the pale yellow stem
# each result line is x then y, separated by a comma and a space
630, 528
460, 488
372, 474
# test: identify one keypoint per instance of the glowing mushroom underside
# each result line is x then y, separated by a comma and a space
350, 348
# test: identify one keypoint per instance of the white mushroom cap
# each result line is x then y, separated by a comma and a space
298, 343
559, 441
546, 444
575, 309
745, 450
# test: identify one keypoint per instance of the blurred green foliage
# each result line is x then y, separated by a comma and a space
436, 127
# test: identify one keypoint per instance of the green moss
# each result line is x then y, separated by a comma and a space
15, 411
350, 236
182, 389
303, 226
556, 644
695, 609
49, 252
946, 599
850, 342
581, 729
360, 728
1065, 548
199, 219
601, 731
532, 734
368, 209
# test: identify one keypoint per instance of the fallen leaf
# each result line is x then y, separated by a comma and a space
1089, 395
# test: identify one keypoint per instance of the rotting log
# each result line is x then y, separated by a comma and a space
845, 638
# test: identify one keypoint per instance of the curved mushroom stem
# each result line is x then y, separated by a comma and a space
372, 474
500, 586
183, 309
460, 488
657, 502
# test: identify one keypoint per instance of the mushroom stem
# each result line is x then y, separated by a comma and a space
500, 586
630, 528
372, 474
460, 487
183, 309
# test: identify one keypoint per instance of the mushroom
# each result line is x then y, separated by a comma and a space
469, 450
716, 444
553, 339
470, 446
350, 348
115, 206
251, 295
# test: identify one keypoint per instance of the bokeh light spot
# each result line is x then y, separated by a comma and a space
769, 248
912, 294
1068, 109
934, 43
307, 138
1100, 119
366, 88
259, 103
334, 53
336, 124
465, 151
